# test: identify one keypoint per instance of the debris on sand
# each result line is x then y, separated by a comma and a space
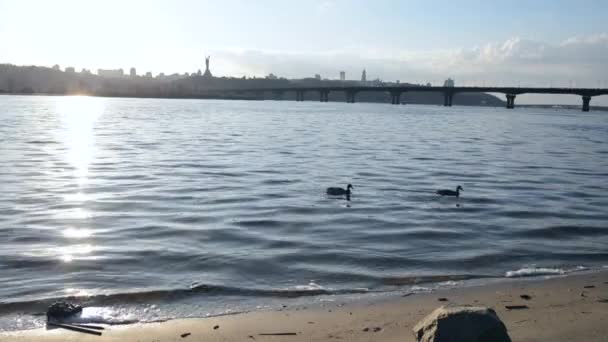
279, 334
516, 307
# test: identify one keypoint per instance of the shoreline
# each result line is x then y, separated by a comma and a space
535, 106
561, 308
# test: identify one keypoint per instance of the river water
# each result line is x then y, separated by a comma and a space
149, 209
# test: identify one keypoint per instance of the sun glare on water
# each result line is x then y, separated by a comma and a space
78, 115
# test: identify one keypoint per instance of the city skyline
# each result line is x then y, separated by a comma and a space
545, 43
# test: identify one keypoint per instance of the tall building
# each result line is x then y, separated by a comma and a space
448, 83
149, 74
133, 72
364, 76
342, 76
317, 77
70, 70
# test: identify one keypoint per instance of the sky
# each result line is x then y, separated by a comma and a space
514, 43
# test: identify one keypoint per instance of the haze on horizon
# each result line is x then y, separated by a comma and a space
527, 43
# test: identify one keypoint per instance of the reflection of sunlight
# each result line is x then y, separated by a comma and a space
73, 233
78, 115
77, 197
67, 258
68, 253
75, 214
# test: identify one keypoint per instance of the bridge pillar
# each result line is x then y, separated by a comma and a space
324, 95
395, 97
350, 96
300, 95
510, 101
586, 100
447, 99
277, 95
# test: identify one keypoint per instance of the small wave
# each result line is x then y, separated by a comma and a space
413, 280
98, 315
533, 271
41, 142
158, 296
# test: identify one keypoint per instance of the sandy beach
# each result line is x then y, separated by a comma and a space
572, 308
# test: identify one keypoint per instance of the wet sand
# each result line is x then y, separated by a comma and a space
572, 308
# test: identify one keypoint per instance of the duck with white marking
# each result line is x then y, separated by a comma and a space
446, 192
335, 191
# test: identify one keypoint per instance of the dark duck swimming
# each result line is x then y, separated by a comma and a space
334, 191
450, 192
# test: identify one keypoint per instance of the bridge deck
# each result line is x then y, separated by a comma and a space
401, 89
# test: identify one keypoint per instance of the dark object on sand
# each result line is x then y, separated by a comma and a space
333, 191
450, 192
74, 327
61, 310
461, 324
279, 334
216, 327
88, 326
184, 335
516, 307
589, 286
442, 299
602, 300
525, 296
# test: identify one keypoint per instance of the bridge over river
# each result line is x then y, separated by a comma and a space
448, 92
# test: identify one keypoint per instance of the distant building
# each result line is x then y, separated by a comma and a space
70, 70
172, 77
133, 72
85, 71
110, 72
56, 67
448, 83
199, 73
317, 77
428, 84
271, 76
342, 76
398, 81
149, 74
364, 76
161, 75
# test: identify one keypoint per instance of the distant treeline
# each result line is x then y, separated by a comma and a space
41, 80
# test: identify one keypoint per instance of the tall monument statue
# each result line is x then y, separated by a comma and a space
207, 73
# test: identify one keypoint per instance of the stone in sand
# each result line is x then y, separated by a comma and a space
62, 310
461, 323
